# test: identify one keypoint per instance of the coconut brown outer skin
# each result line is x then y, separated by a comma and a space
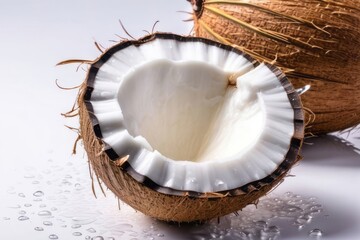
152, 203
322, 47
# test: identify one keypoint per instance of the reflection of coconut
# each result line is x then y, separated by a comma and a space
187, 129
317, 42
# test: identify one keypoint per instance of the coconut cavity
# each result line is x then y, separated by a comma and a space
175, 103
188, 111
181, 116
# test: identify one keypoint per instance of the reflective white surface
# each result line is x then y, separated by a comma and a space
36, 147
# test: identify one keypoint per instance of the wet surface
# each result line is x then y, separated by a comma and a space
55, 201
61, 205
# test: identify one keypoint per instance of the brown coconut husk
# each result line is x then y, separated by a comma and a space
158, 205
316, 42
163, 203
155, 204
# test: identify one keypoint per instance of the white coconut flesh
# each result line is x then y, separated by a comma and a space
167, 107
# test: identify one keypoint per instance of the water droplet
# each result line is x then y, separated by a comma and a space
315, 233
23, 218
77, 233
84, 220
78, 186
21, 195
42, 205
303, 219
312, 199
110, 238
273, 229
295, 201
66, 182
288, 194
261, 224
22, 212
193, 180
37, 200
44, 213
35, 182
38, 229
300, 227
98, 238
76, 226
91, 230
47, 223
160, 235
53, 209
219, 183
27, 205
53, 236
63, 226
38, 194
292, 209
315, 206
213, 235
316, 211
87, 238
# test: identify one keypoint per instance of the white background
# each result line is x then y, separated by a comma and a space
36, 148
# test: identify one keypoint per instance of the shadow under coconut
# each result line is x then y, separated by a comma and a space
331, 150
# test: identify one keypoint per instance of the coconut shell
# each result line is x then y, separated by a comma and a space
316, 42
167, 204
155, 204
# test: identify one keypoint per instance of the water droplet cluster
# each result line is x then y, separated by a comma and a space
255, 222
59, 201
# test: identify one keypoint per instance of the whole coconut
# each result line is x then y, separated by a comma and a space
317, 42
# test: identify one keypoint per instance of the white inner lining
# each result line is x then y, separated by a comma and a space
187, 111
256, 120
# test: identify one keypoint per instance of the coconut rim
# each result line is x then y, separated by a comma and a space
291, 157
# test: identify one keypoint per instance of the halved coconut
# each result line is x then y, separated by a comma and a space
187, 129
